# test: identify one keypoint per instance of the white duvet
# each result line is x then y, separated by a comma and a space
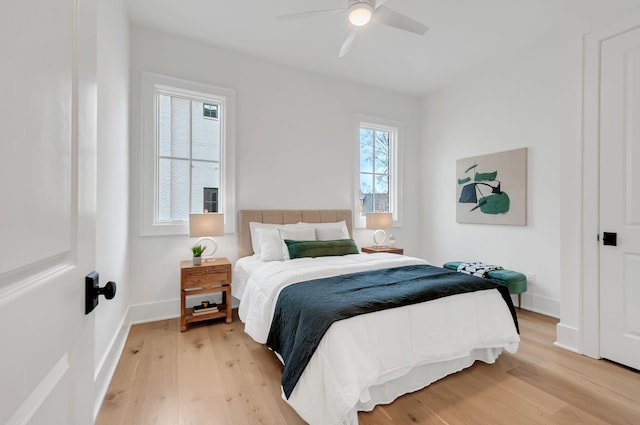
413, 345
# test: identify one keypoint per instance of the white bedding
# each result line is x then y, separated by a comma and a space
242, 271
414, 345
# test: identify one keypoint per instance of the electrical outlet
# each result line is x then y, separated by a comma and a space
531, 277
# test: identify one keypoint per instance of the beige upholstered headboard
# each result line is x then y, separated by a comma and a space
285, 217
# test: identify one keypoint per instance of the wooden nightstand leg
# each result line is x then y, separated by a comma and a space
227, 297
183, 313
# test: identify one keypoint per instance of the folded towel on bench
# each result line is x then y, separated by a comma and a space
477, 268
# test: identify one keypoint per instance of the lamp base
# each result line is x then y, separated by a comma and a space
214, 248
379, 237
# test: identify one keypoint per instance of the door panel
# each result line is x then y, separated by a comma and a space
47, 219
620, 198
631, 295
36, 126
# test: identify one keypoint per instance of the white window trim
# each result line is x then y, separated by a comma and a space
394, 172
151, 84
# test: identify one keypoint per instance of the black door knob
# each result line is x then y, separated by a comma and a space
108, 290
93, 290
610, 239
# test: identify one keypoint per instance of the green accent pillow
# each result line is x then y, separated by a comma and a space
301, 249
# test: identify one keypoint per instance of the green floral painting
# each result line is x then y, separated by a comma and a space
491, 189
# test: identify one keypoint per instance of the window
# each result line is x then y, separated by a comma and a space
377, 180
210, 199
187, 155
209, 111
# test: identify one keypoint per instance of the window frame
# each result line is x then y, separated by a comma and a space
395, 177
152, 86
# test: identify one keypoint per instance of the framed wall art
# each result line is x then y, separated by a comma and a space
492, 189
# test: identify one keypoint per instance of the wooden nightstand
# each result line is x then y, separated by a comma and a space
374, 249
207, 278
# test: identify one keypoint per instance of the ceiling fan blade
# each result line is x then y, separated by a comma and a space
386, 16
346, 44
309, 14
380, 3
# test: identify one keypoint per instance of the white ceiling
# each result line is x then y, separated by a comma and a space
463, 33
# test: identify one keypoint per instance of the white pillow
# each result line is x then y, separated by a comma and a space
303, 233
255, 243
270, 244
271, 240
253, 225
330, 231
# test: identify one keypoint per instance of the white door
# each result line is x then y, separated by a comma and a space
620, 199
47, 210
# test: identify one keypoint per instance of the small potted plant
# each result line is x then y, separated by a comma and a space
197, 254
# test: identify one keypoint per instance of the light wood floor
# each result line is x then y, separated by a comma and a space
215, 374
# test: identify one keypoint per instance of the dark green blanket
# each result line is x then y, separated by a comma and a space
305, 311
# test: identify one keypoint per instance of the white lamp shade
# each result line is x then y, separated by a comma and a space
377, 221
209, 224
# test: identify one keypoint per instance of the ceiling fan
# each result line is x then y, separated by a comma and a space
361, 12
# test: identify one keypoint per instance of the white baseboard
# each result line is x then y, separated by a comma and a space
152, 312
567, 338
539, 304
162, 310
107, 367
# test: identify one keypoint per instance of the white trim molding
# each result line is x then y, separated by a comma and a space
539, 304
104, 372
395, 172
567, 337
154, 311
151, 84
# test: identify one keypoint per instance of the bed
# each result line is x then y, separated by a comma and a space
370, 358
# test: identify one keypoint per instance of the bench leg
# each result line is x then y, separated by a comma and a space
519, 300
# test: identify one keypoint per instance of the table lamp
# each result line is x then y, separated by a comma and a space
204, 226
379, 222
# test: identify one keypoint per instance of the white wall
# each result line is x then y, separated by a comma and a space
112, 226
294, 149
531, 100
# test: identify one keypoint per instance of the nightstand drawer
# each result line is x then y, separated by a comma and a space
205, 278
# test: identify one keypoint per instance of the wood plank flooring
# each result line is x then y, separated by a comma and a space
215, 374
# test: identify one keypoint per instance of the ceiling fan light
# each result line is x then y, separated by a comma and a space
360, 13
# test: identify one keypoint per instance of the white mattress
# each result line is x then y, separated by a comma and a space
413, 345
